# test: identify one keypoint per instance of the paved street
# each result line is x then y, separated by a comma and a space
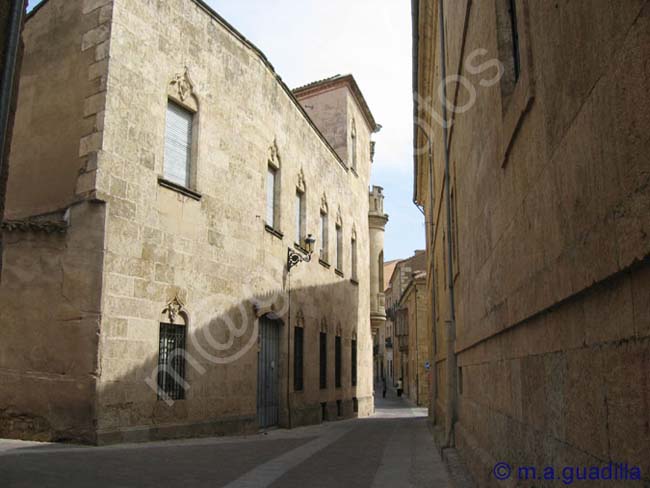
393, 448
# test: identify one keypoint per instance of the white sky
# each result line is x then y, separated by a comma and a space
307, 40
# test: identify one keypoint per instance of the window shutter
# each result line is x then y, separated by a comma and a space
270, 198
178, 144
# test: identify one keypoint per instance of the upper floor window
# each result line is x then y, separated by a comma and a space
353, 146
324, 230
181, 129
339, 247
323, 236
273, 188
301, 214
353, 252
178, 144
271, 191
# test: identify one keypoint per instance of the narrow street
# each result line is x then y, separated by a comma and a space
392, 448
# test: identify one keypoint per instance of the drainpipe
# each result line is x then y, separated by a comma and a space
451, 323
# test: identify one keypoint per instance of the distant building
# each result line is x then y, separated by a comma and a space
407, 326
164, 190
542, 351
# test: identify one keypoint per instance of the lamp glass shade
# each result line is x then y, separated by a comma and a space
309, 243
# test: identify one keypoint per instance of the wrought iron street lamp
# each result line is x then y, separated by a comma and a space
294, 257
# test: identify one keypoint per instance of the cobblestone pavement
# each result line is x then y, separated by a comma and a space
391, 449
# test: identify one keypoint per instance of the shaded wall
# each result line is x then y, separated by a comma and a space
50, 314
551, 192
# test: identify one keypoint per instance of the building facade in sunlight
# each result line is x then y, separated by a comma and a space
166, 193
542, 349
408, 331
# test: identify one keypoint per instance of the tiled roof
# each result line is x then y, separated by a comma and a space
354, 88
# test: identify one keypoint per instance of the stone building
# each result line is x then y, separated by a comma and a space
406, 308
542, 350
164, 189
389, 267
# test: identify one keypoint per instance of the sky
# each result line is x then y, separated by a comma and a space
308, 40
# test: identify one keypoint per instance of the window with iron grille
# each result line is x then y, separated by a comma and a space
171, 362
337, 362
323, 360
298, 345
354, 362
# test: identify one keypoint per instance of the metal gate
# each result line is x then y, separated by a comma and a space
268, 373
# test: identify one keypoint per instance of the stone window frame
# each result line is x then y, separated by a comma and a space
516, 104
354, 256
274, 163
323, 365
324, 232
170, 315
338, 357
181, 92
301, 220
299, 386
338, 268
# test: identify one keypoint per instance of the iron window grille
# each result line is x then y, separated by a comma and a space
337, 362
354, 362
298, 345
171, 362
323, 360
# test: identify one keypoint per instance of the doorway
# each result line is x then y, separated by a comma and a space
268, 373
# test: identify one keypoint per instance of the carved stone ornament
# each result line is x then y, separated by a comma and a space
339, 219
301, 181
323, 325
174, 309
183, 85
323, 204
274, 154
354, 233
300, 319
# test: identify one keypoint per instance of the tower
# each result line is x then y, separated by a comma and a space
377, 221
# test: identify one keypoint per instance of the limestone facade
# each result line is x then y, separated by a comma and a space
550, 202
103, 247
406, 310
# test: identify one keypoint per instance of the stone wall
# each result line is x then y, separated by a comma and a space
214, 253
61, 85
50, 298
94, 95
551, 202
